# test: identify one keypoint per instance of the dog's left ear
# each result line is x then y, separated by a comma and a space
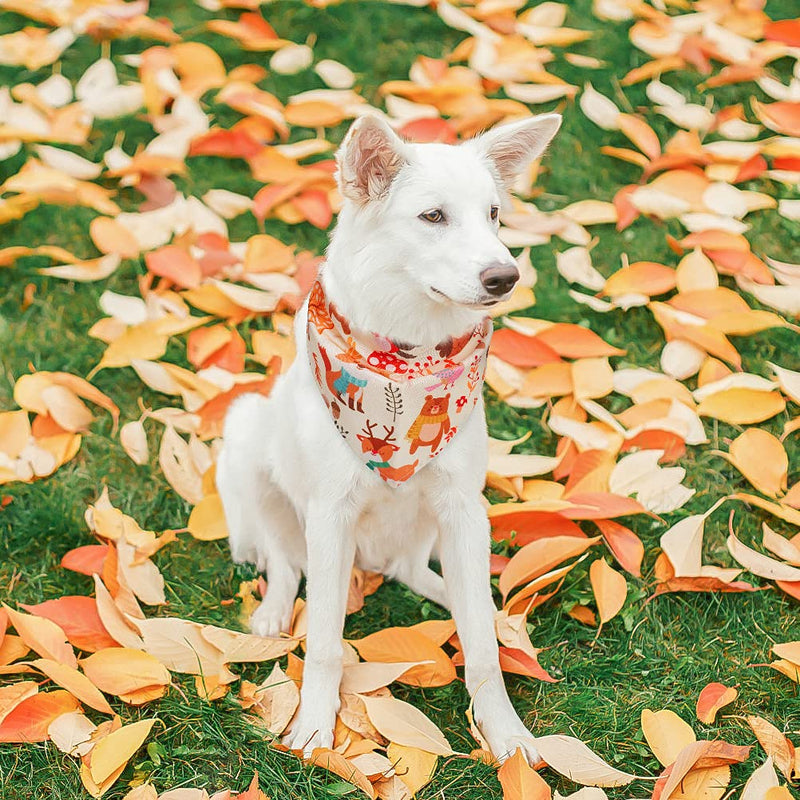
512, 147
370, 157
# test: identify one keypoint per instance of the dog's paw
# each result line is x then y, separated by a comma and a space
271, 618
505, 748
505, 734
308, 734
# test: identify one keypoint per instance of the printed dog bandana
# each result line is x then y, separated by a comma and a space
395, 404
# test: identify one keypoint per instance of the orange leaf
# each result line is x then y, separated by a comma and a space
176, 264
520, 781
775, 744
339, 765
520, 350
641, 277
641, 134
109, 236
626, 546
609, 587
212, 413
407, 645
429, 129
601, 505
225, 144
76, 683
782, 117
784, 30
314, 205
712, 698
28, 722
313, 114
77, 616
539, 557
762, 459
522, 527
575, 341
87, 560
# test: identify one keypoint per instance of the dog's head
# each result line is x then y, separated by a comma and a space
433, 209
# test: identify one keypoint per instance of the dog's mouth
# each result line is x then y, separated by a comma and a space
438, 294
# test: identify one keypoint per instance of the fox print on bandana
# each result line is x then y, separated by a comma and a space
396, 404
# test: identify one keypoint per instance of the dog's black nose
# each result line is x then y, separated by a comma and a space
499, 279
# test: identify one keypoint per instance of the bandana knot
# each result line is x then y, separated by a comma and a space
396, 404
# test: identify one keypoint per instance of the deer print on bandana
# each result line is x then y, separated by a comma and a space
391, 401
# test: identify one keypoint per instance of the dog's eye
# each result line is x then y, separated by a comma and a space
434, 215
494, 212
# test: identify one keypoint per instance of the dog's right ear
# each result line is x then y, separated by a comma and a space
369, 159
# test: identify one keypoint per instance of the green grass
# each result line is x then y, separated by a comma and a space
656, 654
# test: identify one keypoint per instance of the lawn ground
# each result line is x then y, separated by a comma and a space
658, 653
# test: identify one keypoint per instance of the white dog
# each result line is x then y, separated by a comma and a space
307, 483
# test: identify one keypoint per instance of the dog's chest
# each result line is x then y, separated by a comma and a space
394, 523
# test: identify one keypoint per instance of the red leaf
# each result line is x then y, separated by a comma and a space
752, 168
519, 662
429, 129
225, 143
532, 525
784, 30
77, 616
522, 351
496, 565
87, 560
213, 412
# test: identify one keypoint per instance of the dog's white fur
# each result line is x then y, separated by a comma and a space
298, 500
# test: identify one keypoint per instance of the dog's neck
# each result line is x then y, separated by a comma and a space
374, 293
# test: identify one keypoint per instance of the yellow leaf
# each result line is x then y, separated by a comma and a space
207, 520
43, 636
414, 767
741, 406
122, 670
113, 751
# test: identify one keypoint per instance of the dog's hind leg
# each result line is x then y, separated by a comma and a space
262, 523
420, 578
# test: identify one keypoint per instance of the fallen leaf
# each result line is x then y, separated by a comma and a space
667, 734
520, 781
571, 758
609, 587
713, 697
402, 723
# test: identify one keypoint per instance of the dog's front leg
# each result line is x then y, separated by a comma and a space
464, 553
331, 549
